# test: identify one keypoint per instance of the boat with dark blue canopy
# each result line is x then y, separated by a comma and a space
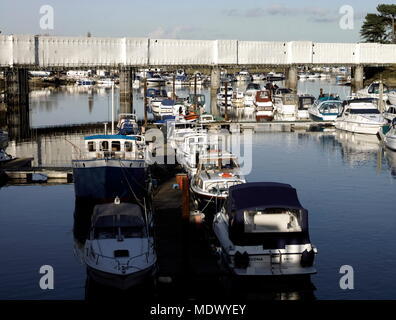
263, 230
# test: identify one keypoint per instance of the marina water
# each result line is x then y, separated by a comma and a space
346, 181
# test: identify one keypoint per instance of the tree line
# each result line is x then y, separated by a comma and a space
380, 27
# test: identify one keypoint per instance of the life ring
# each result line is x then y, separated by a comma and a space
191, 116
226, 175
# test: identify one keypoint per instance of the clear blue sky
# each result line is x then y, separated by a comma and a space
205, 19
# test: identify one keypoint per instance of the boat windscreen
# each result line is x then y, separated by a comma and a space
219, 164
273, 220
364, 111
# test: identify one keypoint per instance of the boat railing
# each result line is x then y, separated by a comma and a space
116, 155
123, 265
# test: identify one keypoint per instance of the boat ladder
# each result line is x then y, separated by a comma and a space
276, 261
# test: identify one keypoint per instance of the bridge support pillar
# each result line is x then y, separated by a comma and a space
214, 85
291, 77
16, 87
358, 75
126, 92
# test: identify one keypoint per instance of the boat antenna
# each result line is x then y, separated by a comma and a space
112, 108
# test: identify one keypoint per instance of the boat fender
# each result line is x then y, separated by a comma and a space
241, 260
307, 258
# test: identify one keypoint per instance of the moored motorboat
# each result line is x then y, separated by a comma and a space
390, 137
304, 103
373, 91
263, 231
263, 104
127, 124
392, 97
216, 171
325, 109
286, 104
360, 116
110, 166
119, 251
390, 113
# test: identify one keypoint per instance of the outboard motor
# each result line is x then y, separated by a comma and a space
307, 258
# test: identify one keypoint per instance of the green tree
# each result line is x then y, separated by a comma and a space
380, 27
389, 11
374, 29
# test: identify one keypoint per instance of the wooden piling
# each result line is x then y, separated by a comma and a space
145, 102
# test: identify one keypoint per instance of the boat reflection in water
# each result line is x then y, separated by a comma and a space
358, 148
390, 157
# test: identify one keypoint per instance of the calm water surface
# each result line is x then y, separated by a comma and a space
346, 181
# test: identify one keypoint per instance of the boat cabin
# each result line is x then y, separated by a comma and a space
115, 146
304, 102
118, 221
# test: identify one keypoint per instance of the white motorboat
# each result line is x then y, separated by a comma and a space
206, 118
243, 76
304, 103
127, 124
238, 98
390, 113
155, 81
194, 147
216, 171
165, 107
392, 97
272, 76
263, 231
325, 109
360, 116
120, 249
372, 91
177, 129
286, 104
390, 137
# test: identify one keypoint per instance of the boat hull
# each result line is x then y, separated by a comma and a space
390, 142
363, 128
106, 179
122, 282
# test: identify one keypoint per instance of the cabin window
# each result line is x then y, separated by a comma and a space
128, 146
272, 220
91, 146
104, 146
115, 146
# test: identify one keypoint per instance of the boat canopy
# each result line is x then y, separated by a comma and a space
110, 221
261, 195
112, 137
168, 102
271, 201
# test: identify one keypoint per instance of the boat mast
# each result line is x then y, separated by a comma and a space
112, 108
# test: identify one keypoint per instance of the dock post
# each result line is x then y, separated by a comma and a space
291, 78
174, 87
214, 85
16, 87
126, 93
195, 93
185, 197
145, 102
358, 75
226, 101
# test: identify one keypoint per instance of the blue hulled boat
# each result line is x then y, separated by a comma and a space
110, 166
